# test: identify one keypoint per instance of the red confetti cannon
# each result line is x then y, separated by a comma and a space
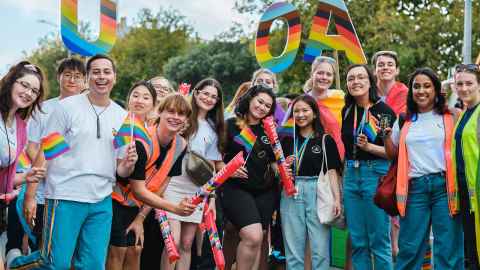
172, 250
285, 177
210, 228
218, 179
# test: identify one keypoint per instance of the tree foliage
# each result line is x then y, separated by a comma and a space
231, 63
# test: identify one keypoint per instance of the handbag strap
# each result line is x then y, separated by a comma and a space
324, 162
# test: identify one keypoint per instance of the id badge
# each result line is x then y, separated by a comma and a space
356, 164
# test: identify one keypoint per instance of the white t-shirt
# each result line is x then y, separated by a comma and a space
205, 141
35, 129
425, 144
86, 173
8, 143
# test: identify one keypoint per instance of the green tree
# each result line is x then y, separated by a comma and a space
148, 45
231, 63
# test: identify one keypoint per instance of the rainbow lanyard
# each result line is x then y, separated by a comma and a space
299, 153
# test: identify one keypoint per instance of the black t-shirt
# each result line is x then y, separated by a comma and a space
258, 161
312, 160
141, 164
347, 128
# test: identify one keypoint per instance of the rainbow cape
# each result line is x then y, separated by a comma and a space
54, 145
132, 125
370, 128
246, 138
24, 162
286, 129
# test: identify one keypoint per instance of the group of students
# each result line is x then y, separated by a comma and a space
90, 206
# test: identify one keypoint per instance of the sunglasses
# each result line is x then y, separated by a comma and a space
327, 59
467, 67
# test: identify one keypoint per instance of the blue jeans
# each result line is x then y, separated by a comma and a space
299, 219
427, 204
368, 225
72, 230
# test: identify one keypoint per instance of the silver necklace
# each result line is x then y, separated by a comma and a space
98, 116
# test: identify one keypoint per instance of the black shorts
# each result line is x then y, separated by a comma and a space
123, 216
245, 207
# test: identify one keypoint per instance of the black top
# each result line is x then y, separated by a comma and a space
347, 128
258, 161
312, 160
141, 164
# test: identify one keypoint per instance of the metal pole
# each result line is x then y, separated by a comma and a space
467, 33
337, 70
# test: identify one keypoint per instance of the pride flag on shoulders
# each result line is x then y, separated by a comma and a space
54, 145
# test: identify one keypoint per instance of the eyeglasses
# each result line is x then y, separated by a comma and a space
160, 87
35, 92
75, 77
467, 67
205, 94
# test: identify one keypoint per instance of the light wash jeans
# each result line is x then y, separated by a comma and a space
299, 220
427, 205
368, 225
72, 230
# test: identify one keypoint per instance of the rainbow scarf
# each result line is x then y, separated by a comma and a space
287, 128
132, 127
24, 162
246, 138
54, 145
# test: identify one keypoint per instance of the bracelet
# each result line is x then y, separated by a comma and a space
142, 215
212, 196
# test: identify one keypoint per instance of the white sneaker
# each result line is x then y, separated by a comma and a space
11, 255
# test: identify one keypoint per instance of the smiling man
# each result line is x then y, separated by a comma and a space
386, 70
79, 182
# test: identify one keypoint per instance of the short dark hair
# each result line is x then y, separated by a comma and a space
440, 103
243, 105
391, 54
100, 56
72, 63
372, 91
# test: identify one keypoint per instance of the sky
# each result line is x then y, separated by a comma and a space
24, 22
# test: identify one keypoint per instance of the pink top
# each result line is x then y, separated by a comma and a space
7, 175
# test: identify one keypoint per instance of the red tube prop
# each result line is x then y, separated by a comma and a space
285, 177
172, 250
211, 228
218, 179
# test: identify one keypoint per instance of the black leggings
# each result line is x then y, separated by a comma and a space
468, 220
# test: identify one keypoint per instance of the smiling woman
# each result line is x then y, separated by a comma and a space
21, 92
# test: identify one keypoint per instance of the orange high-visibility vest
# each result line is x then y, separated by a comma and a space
154, 177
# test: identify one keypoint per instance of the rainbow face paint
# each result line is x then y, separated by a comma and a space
108, 28
278, 63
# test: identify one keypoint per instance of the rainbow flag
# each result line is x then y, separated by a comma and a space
370, 128
24, 162
54, 145
131, 126
286, 129
246, 138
